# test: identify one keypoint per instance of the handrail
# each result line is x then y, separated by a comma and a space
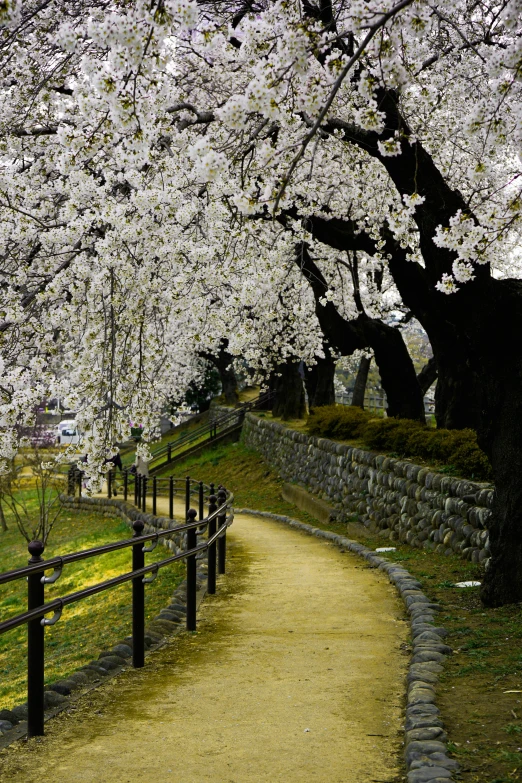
231, 417
218, 518
194, 435
46, 565
56, 603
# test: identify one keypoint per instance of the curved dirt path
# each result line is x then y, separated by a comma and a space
295, 674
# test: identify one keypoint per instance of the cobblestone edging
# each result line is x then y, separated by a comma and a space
425, 751
397, 499
170, 620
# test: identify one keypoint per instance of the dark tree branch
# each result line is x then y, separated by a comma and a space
428, 375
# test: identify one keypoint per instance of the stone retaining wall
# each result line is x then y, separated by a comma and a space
402, 501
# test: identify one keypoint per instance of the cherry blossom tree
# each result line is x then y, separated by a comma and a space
146, 146
403, 126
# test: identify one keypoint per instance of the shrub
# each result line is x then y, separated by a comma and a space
472, 462
390, 434
457, 449
338, 421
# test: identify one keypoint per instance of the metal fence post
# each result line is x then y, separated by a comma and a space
154, 494
191, 573
138, 600
71, 481
222, 542
187, 495
212, 527
144, 493
35, 647
201, 501
136, 490
171, 497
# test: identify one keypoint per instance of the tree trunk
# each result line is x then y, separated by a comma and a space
428, 375
319, 381
398, 377
455, 404
223, 362
502, 582
229, 386
289, 402
490, 313
360, 382
3, 523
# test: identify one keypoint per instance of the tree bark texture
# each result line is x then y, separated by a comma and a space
494, 311
289, 401
319, 381
361, 380
3, 523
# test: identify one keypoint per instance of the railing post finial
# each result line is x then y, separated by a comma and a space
138, 526
36, 549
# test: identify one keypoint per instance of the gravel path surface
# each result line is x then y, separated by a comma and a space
295, 674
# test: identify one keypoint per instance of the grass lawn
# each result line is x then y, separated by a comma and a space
128, 454
243, 472
87, 627
480, 693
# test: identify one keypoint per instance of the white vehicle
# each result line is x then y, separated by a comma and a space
67, 433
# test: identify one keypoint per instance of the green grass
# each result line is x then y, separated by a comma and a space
242, 471
87, 627
128, 456
481, 719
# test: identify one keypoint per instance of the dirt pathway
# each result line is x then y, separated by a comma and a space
295, 674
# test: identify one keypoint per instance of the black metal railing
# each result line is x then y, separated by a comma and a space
208, 432
375, 400
219, 517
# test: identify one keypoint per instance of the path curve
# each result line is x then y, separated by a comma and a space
295, 674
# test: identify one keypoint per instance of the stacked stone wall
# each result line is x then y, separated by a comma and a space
400, 500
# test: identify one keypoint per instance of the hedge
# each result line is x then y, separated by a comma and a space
456, 449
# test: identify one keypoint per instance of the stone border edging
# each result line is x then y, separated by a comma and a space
59, 695
424, 737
